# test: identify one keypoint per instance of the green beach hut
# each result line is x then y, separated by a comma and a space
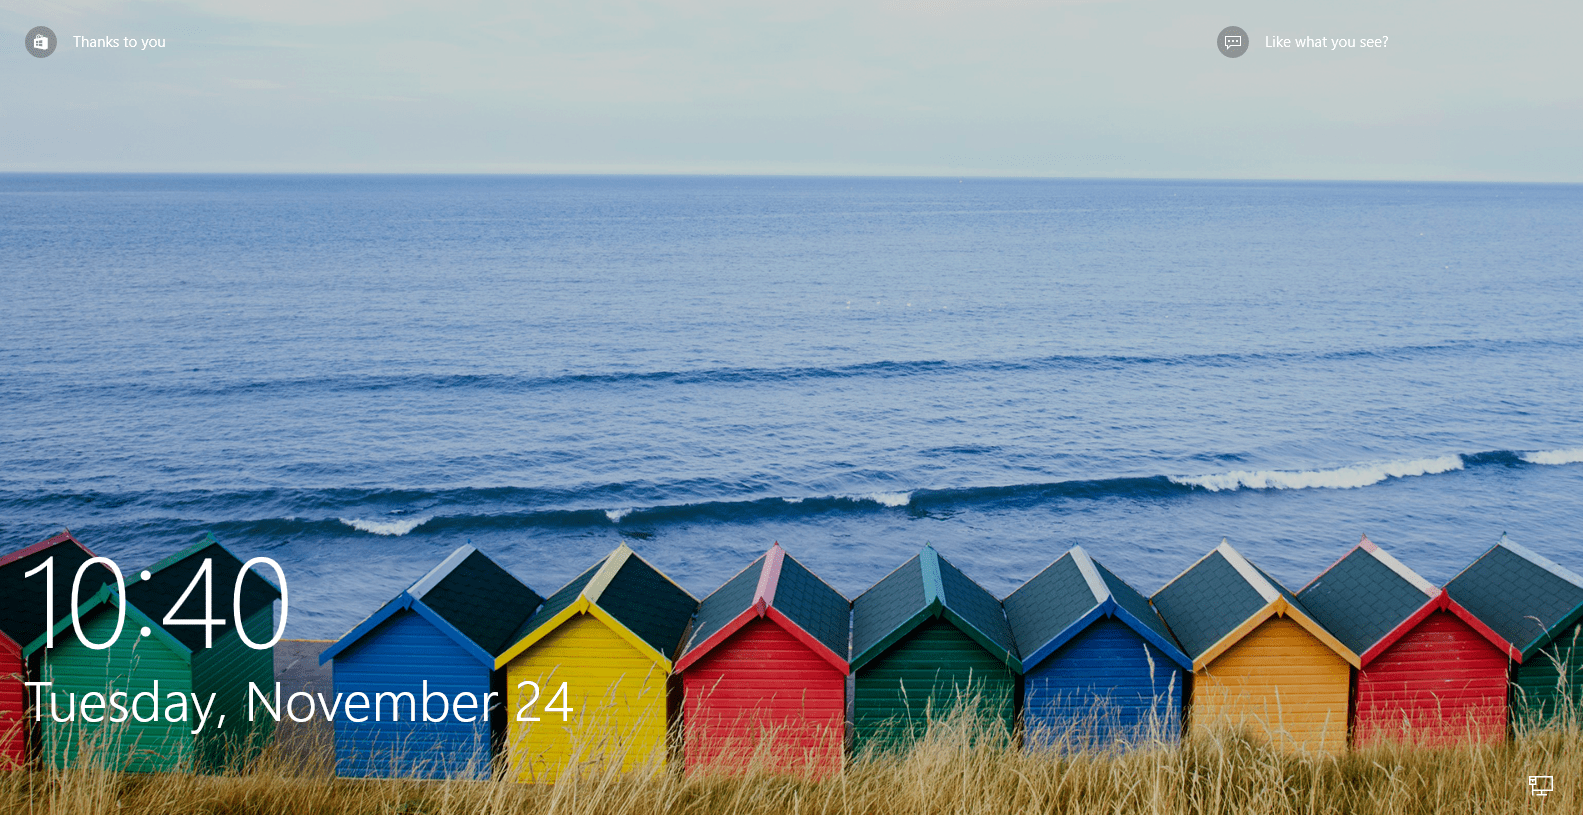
161, 697
925, 640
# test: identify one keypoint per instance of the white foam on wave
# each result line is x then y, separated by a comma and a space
397, 527
793, 500
615, 515
1572, 455
1341, 478
886, 499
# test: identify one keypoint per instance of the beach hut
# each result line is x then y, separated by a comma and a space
24, 617
1261, 663
13, 703
163, 665
925, 640
420, 694
764, 670
588, 675
1537, 605
1099, 666
1429, 671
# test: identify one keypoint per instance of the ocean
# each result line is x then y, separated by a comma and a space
355, 375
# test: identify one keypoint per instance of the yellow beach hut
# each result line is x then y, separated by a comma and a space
587, 675
1261, 664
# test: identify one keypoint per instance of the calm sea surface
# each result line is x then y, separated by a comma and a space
355, 375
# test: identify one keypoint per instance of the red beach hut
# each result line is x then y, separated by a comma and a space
23, 618
1429, 671
764, 668
13, 703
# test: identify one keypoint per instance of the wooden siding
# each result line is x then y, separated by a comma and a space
1105, 686
397, 657
764, 694
927, 674
1278, 682
618, 696
1549, 685
225, 669
133, 665
1440, 683
13, 704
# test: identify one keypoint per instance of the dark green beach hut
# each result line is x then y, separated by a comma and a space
1536, 605
161, 668
925, 640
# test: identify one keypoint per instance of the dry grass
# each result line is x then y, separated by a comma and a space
954, 770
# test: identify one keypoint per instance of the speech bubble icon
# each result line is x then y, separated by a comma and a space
1233, 41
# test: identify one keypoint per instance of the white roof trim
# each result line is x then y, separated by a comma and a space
601, 579
440, 572
1247, 571
1402, 571
1540, 560
1086, 567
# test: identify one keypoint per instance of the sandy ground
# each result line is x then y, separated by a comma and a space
297, 668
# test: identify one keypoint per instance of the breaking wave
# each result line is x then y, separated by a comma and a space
395, 528
281, 514
1572, 455
1340, 478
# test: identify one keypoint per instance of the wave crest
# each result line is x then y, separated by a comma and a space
886, 499
1573, 455
615, 515
1340, 478
396, 528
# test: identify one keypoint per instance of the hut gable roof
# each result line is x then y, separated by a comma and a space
1068, 596
482, 600
22, 613
780, 588
1365, 595
468, 596
924, 587
635, 599
1222, 598
170, 578
1522, 596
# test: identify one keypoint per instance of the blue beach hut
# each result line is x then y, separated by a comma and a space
1100, 667
438, 638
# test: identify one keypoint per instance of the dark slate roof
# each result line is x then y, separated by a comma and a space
1207, 602
649, 605
1518, 598
1049, 603
813, 605
1134, 602
22, 598
483, 601
556, 603
977, 606
725, 604
887, 604
1361, 599
171, 577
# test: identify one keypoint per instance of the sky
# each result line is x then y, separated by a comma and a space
1460, 91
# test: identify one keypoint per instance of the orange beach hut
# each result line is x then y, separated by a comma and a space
1261, 663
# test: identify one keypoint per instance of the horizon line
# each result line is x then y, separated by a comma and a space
930, 176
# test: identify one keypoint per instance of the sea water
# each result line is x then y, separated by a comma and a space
354, 375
